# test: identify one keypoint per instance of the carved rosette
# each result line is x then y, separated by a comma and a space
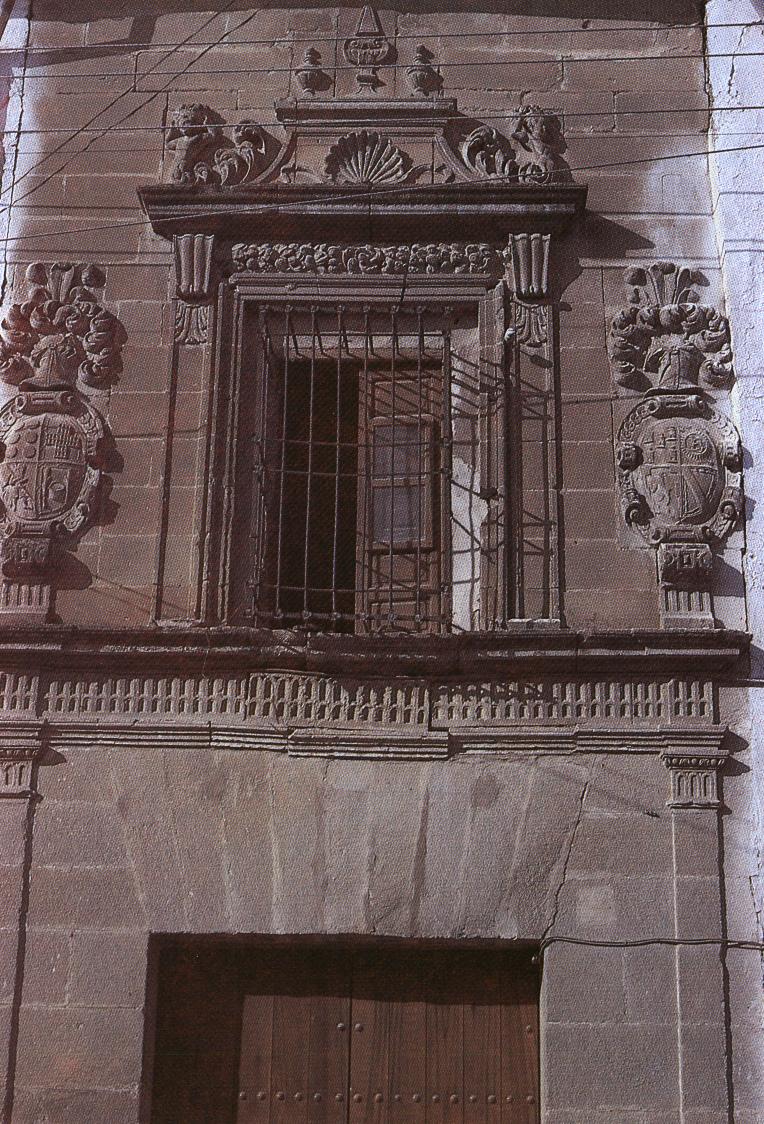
666, 339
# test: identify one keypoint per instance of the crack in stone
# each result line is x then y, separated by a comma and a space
566, 861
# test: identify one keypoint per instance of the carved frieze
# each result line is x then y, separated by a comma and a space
323, 258
666, 339
679, 463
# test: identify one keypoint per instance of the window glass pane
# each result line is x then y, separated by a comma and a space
397, 449
397, 522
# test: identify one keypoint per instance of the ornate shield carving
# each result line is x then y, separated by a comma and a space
679, 470
49, 460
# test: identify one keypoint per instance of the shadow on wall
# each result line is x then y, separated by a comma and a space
145, 12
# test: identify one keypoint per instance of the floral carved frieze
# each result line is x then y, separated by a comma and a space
323, 258
667, 339
53, 346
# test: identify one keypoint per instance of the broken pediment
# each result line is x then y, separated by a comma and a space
365, 155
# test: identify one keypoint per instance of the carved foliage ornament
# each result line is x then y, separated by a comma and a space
679, 470
62, 300
667, 339
322, 258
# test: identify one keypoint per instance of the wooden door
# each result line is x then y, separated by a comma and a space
342, 1035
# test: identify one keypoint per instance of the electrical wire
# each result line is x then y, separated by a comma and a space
370, 196
475, 64
629, 29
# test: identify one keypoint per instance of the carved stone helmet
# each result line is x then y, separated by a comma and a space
55, 359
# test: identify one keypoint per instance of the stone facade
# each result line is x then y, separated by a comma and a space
567, 758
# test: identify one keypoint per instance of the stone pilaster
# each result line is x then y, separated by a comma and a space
698, 916
19, 749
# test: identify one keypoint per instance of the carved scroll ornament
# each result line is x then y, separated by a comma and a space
667, 339
533, 154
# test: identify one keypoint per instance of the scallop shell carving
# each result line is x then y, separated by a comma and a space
366, 158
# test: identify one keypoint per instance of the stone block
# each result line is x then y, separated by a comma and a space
700, 985
669, 73
591, 515
79, 1049
614, 1068
46, 966
588, 464
622, 843
696, 843
108, 969
246, 813
77, 1106
9, 942
78, 834
698, 905
567, 992
650, 984
348, 813
83, 898
81, 774
704, 1084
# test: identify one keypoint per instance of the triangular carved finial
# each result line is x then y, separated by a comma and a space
368, 49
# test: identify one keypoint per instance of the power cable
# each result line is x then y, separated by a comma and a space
475, 64
370, 196
115, 101
708, 110
629, 29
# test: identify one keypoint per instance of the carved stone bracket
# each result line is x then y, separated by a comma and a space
666, 339
20, 749
528, 256
194, 285
51, 437
695, 772
532, 154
